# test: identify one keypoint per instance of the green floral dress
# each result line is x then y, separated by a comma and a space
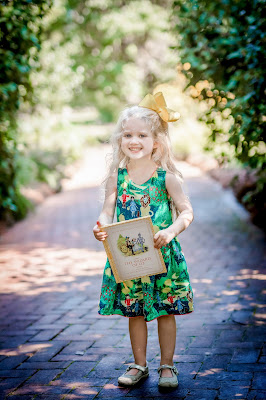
156, 295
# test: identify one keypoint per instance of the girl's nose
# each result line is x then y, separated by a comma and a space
133, 139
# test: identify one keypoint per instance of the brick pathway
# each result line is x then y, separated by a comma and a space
54, 345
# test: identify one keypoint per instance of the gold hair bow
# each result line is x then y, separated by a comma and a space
157, 103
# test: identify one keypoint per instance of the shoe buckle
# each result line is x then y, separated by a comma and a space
171, 367
139, 367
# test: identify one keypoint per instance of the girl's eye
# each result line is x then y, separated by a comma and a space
127, 135
141, 135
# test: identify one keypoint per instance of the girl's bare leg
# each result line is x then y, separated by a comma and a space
167, 339
138, 337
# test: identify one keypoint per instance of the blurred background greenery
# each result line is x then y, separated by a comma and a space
68, 67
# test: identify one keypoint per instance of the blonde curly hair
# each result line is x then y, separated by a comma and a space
161, 155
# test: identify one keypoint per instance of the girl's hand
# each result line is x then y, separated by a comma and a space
162, 238
99, 235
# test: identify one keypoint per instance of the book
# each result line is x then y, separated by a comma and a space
130, 249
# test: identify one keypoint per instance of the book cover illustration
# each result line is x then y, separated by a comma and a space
131, 246
130, 249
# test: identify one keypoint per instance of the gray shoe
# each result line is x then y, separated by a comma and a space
131, 380
168, 382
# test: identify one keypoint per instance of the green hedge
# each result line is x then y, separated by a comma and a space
224, 43
20, 33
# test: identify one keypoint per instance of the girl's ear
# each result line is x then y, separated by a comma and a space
155, 145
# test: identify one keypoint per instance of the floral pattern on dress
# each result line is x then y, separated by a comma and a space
156, 295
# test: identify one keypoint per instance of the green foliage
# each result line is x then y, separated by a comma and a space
222, 49
83, 53
95, 53
48, 143
20, 30
111, 53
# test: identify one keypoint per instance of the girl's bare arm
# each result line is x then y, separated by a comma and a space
108, 210
183, 205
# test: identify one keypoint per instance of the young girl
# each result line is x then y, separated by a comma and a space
143, 180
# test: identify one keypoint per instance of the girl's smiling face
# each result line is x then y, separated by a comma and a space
137, 140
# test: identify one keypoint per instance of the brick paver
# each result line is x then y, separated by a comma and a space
54, 345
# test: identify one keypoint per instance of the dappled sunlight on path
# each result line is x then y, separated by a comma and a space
54, 343
40, 270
